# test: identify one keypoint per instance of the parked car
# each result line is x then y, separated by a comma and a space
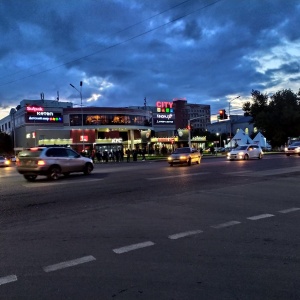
293, 149
245, 152
4, 162
184, 155
51, 162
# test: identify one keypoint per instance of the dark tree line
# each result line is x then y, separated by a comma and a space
6, 144
277, 117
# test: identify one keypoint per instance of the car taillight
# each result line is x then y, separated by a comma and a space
41, 163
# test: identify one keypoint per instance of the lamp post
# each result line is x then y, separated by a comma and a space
218, 134
79, 91
229, 102
189, 128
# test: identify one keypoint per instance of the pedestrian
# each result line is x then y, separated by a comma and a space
128, 155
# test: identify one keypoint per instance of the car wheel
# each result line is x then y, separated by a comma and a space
189, 162
88, 168
54, 173
287, 155
246, 157
198, 161
171, 165
260, 156
30, 177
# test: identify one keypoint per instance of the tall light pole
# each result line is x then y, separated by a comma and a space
219, 134
189, 128
229, 102
79, 91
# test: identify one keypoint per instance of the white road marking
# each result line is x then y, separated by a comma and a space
266, 172
258, 217
183, 234
8, 279
176, 176
227, 224
69, 263
51, 183
285, 211
133, 247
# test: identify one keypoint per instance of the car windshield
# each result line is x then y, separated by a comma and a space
30, 153
2, 158
296, 144
241, 148
182, 150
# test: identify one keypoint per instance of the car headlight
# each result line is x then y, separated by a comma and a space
169, 158
285, 149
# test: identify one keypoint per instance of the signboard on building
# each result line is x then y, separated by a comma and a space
164, 113
37, 114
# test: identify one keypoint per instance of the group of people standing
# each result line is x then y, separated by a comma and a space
117, 155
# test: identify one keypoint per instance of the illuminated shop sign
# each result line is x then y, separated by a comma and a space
164, 107
34, 108
36, 114
164, 119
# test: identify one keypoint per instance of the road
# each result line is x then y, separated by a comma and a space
144, 230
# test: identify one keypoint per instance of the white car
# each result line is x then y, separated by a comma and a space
245, 152
4, 162
293, 149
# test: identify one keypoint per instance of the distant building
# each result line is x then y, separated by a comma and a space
232, 125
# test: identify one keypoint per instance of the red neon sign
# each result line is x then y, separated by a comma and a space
164, 104
34, 108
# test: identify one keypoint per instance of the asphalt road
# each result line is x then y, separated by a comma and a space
144, 230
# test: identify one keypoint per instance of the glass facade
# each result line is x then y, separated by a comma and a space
108, 119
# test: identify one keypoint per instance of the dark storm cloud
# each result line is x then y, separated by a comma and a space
124, 51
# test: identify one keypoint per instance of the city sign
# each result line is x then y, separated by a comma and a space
164, 107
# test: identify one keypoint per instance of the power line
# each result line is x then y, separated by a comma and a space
120, 43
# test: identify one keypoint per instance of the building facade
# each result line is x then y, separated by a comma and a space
47, 122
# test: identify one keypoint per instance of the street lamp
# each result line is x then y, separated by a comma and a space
189, 128
79, 91
229, 116
218, 134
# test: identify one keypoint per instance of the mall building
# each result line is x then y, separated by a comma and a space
49, 122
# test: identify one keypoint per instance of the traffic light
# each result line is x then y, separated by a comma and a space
222, 114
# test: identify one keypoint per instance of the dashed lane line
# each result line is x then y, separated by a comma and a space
70, 263
227, 224
8, 279
133, 247
51, 183
183, 234
258, 217
285, 211
176, 176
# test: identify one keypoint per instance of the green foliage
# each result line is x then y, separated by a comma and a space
277, 117
6, 145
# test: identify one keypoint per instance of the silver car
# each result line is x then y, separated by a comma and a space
51, 162
184, 155
245, 152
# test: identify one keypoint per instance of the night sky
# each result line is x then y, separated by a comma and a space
206, 51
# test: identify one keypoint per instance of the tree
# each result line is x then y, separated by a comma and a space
278, 117
6, 145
